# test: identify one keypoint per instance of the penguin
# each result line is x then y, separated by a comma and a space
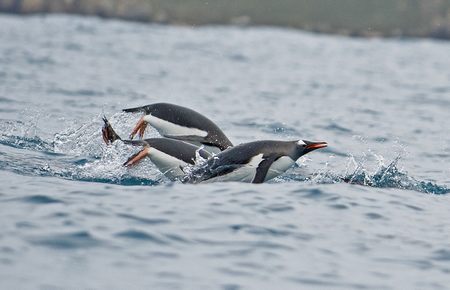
253, 162
181, 123
169, 155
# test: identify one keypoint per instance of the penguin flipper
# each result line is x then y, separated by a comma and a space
263, 168
206, 173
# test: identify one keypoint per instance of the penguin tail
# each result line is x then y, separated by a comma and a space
136, 110
136, 142
108, 133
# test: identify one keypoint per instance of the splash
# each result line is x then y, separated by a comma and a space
82, 140
385, 176
78, 153
30, 143
109, 168
196, 171
23, 134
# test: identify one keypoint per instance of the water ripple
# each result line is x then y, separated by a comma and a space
40, 199
69, 241
141, 235
149, 221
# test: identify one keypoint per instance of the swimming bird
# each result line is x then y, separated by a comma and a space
254, 162
181, 123
169, 155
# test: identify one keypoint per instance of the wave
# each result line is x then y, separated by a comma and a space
31, 143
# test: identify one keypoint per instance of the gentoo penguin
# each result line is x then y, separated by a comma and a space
254, 162
176, 122
169, 155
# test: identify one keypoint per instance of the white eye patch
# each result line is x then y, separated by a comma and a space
301, 143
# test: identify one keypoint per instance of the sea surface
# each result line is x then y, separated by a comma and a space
371, 211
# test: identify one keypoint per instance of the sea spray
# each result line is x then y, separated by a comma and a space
385, 176
78, 153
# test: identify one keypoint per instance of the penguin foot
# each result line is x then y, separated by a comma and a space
139, 129
136, 158
108, 133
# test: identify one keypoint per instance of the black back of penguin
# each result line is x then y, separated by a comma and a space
178, 149
235, 157
186, 117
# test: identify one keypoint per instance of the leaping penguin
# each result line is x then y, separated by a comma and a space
177, 122
254, 162
169, 155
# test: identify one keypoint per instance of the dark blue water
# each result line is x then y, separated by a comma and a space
369, 212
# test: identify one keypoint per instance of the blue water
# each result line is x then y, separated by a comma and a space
369, 212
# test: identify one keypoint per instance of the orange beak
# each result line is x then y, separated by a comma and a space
316, 145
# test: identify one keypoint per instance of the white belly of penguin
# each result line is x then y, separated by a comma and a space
279, 167
211, 149
245, 173
167, 128
167, 164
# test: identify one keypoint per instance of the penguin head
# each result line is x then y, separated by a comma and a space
304, 146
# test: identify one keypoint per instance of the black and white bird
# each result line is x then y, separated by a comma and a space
254, 162
177, 122
170, 156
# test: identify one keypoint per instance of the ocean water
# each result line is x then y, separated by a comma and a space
371, 211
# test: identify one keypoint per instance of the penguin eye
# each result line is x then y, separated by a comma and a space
301, 143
